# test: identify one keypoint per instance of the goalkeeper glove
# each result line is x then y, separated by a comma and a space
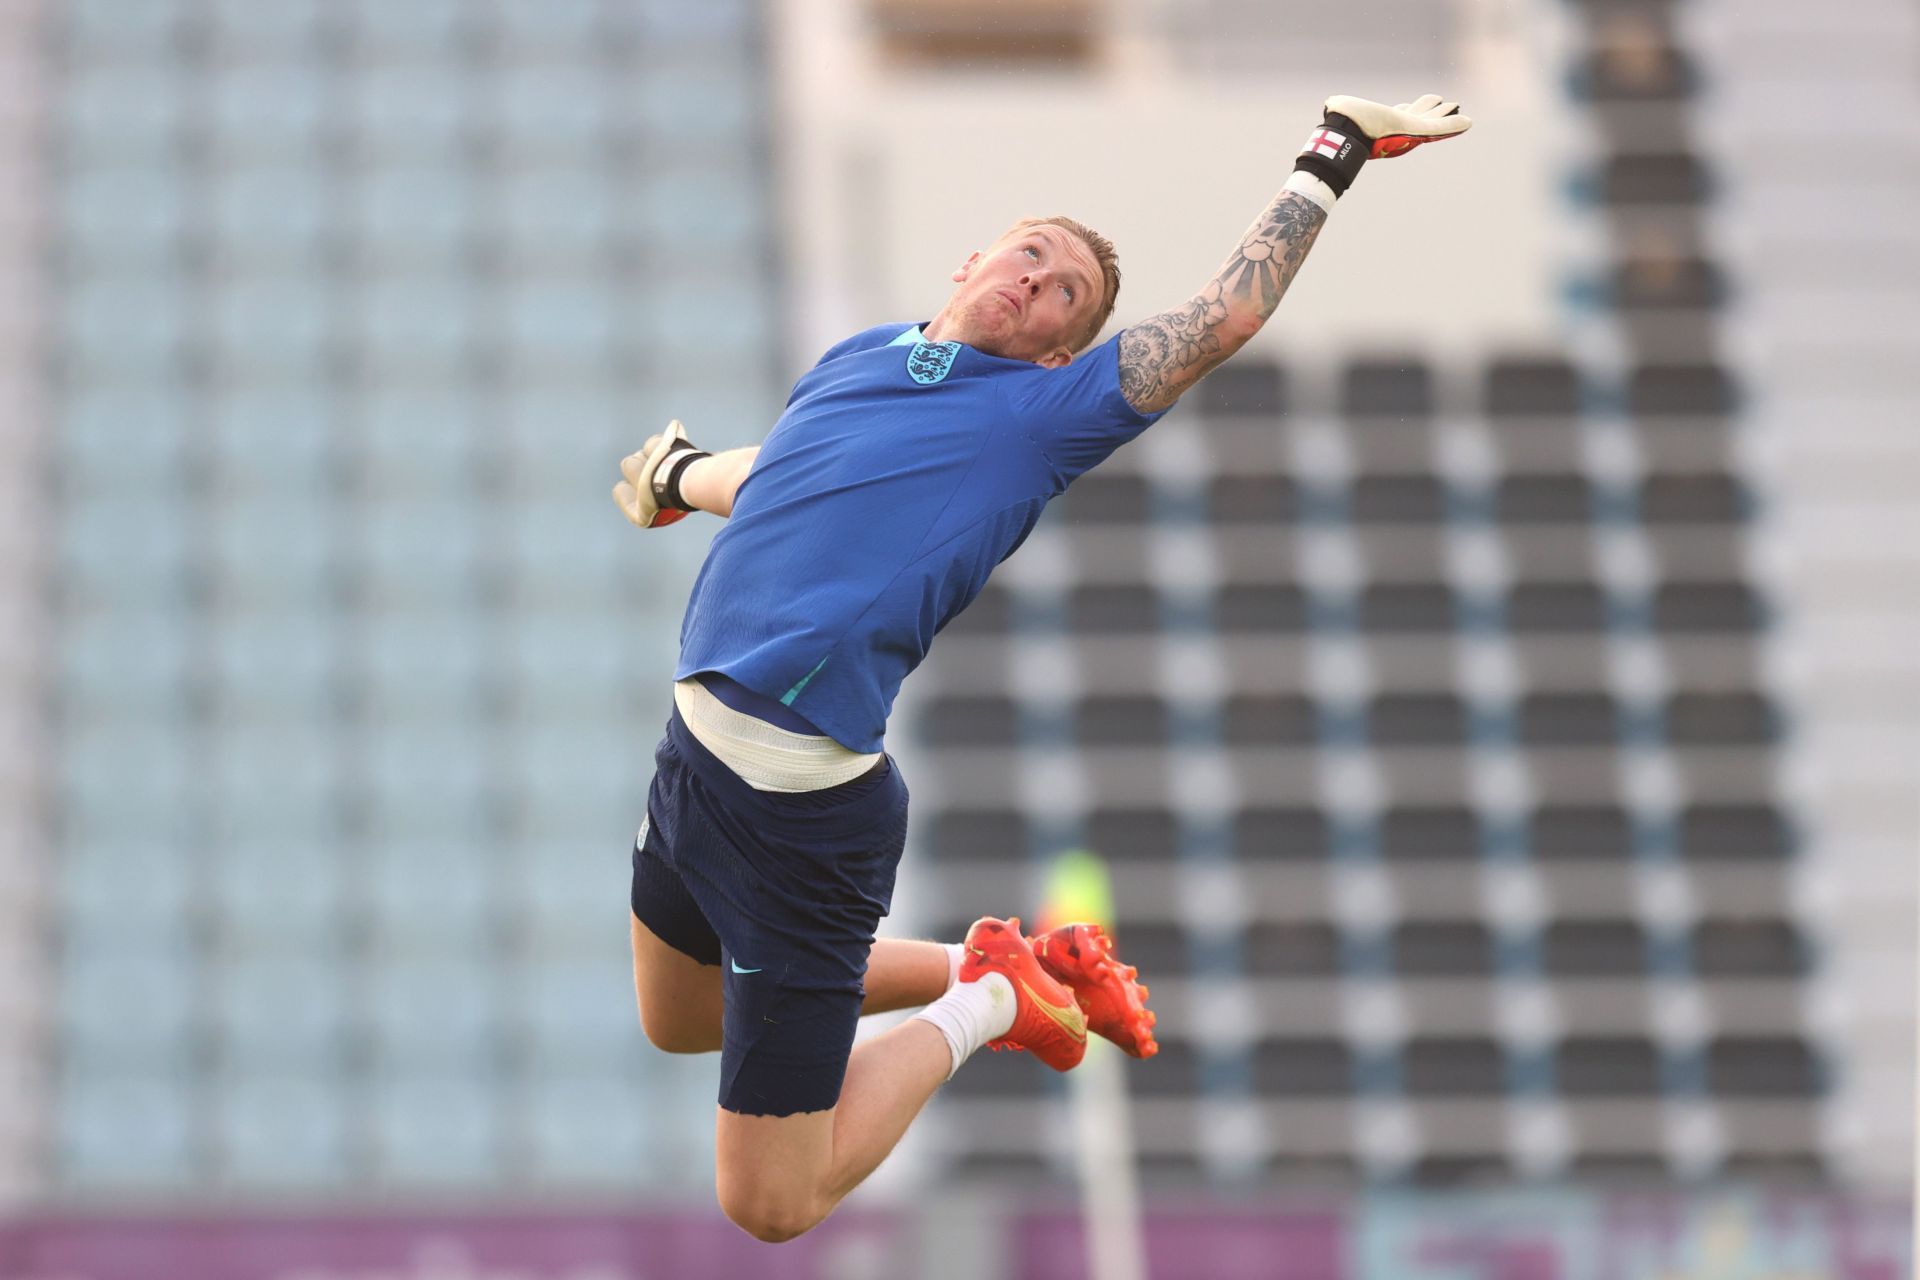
650, 494
1353, 130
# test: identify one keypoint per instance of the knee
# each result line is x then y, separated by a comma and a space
769, 1221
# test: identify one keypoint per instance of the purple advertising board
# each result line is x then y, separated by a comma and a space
1379, 1236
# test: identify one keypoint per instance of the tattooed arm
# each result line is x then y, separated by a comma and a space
1164, 355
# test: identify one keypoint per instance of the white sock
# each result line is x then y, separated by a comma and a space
956, 952
972, 1013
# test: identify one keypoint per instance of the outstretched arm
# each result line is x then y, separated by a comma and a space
1164, 355
709, 483
671, 477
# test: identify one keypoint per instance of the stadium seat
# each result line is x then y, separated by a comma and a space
1608, 1067
1453, 1067
1536, 386
1141, 835
1659, 180
109, 111
420, 26
1734, 832
1695, 608
409, 108
979, 835
1288, 719
1443, 949
130, 213
1155, 947
1438, 833
1662, 281
429, 664
124, 325
1748, 949
118, 1125
980, 720
1261, 835
1113, 609
1664, 390
1418, 720
1121, 721
415, 328
126, 662
1397, 387
1406, 608
428, 896
1100, 499
1253, 499
270, 774
1303, 950
1544, 499
126, 1002
1568, 720
285, 1011
594, 1127
1556, 607
283, 1128
1303, 1067
576, 1011
1244, 388
268, 214
1397, 499
416, 213
1693, 500
1715, 719
436, 1128
990, 614
99, 29
273, 889
1594, 949
1762, 1067
1172, 1072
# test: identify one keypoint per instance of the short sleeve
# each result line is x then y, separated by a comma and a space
1077, 415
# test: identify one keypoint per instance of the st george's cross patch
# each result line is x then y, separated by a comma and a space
931, 362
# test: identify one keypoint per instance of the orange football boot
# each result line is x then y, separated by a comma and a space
1081, 955
1047, 1021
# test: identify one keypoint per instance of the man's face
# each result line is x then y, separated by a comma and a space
1028, 296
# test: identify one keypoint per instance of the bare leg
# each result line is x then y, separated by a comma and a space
779, 1176
680, 997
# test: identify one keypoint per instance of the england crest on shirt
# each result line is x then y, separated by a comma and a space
931, 362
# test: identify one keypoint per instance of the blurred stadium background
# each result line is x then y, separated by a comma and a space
1497, 690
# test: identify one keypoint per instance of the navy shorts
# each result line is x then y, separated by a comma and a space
784, 892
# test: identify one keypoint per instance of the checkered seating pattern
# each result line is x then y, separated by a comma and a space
1429, 750
357, 306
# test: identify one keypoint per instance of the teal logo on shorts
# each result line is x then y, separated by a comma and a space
931, 362
738, 969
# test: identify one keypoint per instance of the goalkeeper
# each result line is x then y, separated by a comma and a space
909, 462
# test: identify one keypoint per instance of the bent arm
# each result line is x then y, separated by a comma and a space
1162, 356
710, 483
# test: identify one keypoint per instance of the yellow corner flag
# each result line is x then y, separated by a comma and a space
1078, 890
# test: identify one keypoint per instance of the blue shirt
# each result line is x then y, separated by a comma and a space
900, 474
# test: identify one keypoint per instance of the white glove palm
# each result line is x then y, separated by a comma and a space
1396, 130
641, 495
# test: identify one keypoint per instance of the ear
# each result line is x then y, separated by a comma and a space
1058, 358
966, 268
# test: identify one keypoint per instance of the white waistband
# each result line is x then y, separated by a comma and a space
767, 757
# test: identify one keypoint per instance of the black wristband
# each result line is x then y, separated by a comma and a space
667, 492
1334, 152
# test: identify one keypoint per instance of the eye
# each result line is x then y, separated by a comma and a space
1069, 292
1033, 253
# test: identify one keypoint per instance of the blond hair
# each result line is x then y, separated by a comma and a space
1103, 253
